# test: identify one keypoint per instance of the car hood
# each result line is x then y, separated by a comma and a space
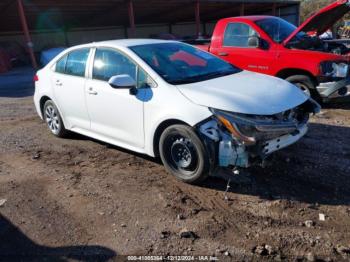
246, 93
324, 19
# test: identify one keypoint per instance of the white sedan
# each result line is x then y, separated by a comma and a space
170, 99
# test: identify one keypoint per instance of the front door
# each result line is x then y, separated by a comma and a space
235, 49
114, 112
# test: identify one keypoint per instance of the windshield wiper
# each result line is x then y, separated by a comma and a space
218, 74
199, 78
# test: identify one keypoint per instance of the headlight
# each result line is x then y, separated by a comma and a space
334, 69
248, 129
231, 124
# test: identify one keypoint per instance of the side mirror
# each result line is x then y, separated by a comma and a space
122, 81
254, 41
257, 42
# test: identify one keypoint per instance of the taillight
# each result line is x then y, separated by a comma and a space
35, 78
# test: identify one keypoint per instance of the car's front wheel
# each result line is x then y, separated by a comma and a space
183, 154
53, 119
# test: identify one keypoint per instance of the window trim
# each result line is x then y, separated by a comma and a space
93, 55
228, 46
66, 55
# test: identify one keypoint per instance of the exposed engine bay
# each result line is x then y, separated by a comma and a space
317, 44
242, 140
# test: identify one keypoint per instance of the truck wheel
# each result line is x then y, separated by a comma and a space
183, 154
304, 83
53, 119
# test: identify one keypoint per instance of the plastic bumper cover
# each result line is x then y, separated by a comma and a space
335, 89
283, 141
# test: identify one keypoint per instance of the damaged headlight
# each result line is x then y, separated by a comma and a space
234, 126
248, 129
334, 69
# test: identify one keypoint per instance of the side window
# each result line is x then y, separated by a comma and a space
109, 63
237, 34
61, 65
142, 78
76, 62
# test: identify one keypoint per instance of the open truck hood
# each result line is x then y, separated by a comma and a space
246, 93
322, 20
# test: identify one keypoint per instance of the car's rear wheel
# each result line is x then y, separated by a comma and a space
183, 154
53, 119
305, 84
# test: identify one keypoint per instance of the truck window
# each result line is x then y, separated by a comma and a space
237, 35
277, 28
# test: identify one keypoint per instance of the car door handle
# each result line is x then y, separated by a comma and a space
223, 54
92, 91
58, 83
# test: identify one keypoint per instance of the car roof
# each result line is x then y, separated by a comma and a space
124, 43
251, 17
258, 17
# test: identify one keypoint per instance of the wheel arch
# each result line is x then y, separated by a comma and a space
287, 72
42, 102
160, 129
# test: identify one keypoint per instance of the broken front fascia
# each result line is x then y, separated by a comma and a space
230, 153
244, 139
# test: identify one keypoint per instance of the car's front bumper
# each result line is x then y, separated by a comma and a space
284, 141
231, 148
237, 155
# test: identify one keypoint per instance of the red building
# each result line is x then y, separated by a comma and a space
39, 24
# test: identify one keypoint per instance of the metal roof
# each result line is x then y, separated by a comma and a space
66, 14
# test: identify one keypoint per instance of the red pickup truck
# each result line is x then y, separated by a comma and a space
271, 45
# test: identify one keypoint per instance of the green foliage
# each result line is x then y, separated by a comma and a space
308, 7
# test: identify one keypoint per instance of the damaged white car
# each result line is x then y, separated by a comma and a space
169, 99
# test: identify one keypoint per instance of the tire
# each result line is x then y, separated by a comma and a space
53, 119
305, 84
184, 155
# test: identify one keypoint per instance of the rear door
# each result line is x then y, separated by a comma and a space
69, 88
235, 49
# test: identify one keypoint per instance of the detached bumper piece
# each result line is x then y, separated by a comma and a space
333, 90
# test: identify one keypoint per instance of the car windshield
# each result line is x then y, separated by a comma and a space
278, 29
179, 63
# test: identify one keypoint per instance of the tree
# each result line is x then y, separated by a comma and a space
308, 7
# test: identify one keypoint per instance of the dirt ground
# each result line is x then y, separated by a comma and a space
80, 199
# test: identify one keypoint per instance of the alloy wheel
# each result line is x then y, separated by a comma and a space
52, 119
